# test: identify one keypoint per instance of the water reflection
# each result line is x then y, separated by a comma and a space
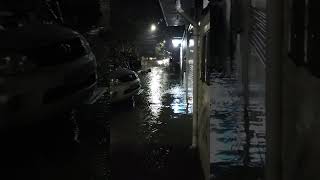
162, 84
237, 132
164, 99
225, 122
143, 136
164, 62
179, 103
256, 114
156, 85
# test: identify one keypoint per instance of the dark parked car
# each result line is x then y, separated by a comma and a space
44, 70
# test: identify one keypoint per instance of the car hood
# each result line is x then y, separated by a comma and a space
30, 36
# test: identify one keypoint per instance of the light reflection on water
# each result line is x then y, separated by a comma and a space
179, 104
159, 121
164, 99
156, 85
228, 130
161, 83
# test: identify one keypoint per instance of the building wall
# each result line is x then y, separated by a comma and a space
300, 116
293, 101
203, 93
203, 105
301, 120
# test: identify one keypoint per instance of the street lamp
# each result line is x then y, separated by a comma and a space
176, 42
191, 42
153, 28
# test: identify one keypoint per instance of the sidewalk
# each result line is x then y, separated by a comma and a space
237, 129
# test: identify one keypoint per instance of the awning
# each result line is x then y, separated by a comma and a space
170, 14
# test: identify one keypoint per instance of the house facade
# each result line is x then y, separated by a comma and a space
194, 54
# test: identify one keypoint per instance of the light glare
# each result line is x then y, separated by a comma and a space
176, 42
191, 43
153, 27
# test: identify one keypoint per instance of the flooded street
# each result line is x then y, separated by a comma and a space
229, 128
237, 124
151, 136
159, 90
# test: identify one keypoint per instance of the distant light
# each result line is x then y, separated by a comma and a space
153, 27
191, 43
176, 42
163, 62
164, 41
199, 23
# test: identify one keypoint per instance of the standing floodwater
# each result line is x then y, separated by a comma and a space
150, 136
237, 123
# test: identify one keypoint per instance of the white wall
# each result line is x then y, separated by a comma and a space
203, 111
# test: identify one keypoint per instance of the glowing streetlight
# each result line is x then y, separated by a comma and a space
153, 28
191, 43
176, 42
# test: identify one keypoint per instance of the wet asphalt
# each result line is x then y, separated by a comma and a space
146, 138
151, 134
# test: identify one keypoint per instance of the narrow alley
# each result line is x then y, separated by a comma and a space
159, 89
151, 137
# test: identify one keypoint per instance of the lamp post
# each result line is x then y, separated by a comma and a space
176, 42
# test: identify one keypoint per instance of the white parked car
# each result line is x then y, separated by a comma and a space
124, 84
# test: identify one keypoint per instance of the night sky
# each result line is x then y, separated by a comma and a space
134, 15
131, 20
